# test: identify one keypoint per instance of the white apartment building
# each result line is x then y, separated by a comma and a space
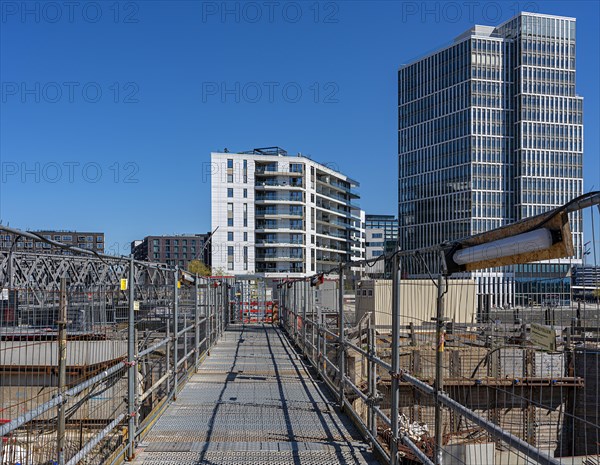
280, 215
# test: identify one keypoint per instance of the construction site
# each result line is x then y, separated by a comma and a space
107, 359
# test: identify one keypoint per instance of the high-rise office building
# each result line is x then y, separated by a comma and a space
491, 132
280, 215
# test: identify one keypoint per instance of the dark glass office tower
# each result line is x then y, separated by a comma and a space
490, 132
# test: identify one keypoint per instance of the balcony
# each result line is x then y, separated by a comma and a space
274, 183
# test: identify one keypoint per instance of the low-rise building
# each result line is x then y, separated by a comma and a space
93, 241
176, 250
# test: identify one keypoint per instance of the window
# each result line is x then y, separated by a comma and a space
67, 238
230, 192
90, 239
230, 163
245, 193
245, 236
245, 215
230, 235
230, 257
377, 235
230, 214
230, 178
245, 258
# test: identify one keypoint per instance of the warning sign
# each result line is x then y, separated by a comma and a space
543, 337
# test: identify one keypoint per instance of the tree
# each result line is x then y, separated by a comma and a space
198, 267
597, 293
218, 272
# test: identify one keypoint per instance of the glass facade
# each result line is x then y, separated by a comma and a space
491, 132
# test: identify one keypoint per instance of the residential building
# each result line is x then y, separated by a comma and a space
491, 132
280, 215
358, 239
176, 250
93, 241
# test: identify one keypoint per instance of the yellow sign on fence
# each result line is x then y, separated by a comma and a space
543, 337
124, 284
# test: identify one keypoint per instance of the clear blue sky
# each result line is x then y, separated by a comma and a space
167, 76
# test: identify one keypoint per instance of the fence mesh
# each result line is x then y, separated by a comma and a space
67, 372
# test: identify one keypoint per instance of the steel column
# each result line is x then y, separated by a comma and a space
341, 342
395, 357
131, 372
62, 369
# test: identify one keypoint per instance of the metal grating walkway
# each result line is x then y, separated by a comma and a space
253, 402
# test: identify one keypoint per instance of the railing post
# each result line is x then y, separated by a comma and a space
342, 348
318, 345
196, 322
304, 308
439, 360
373, 374
175, 330
62, 369
131, 372
208, 312
295, 311
395, 357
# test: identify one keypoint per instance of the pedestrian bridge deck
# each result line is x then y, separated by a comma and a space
253, 401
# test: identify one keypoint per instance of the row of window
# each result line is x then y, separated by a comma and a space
175, 242
552, 136
230, 215
429, 107
230, 193
43, 245
435, 131
431, 74
231, 236
551, 164
552, 108
240, 177
184, 249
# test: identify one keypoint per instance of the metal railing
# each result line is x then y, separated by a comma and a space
92, 350
425, 378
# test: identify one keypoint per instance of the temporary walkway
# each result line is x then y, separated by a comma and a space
253, 401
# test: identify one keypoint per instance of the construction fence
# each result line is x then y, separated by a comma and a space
91, 350
433, 374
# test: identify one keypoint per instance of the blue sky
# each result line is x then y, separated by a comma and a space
109, 111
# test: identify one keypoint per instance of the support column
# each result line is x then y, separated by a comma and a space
341, 340
175, 330
439, 361
132, 371
196, 323
62, 369
395, 400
